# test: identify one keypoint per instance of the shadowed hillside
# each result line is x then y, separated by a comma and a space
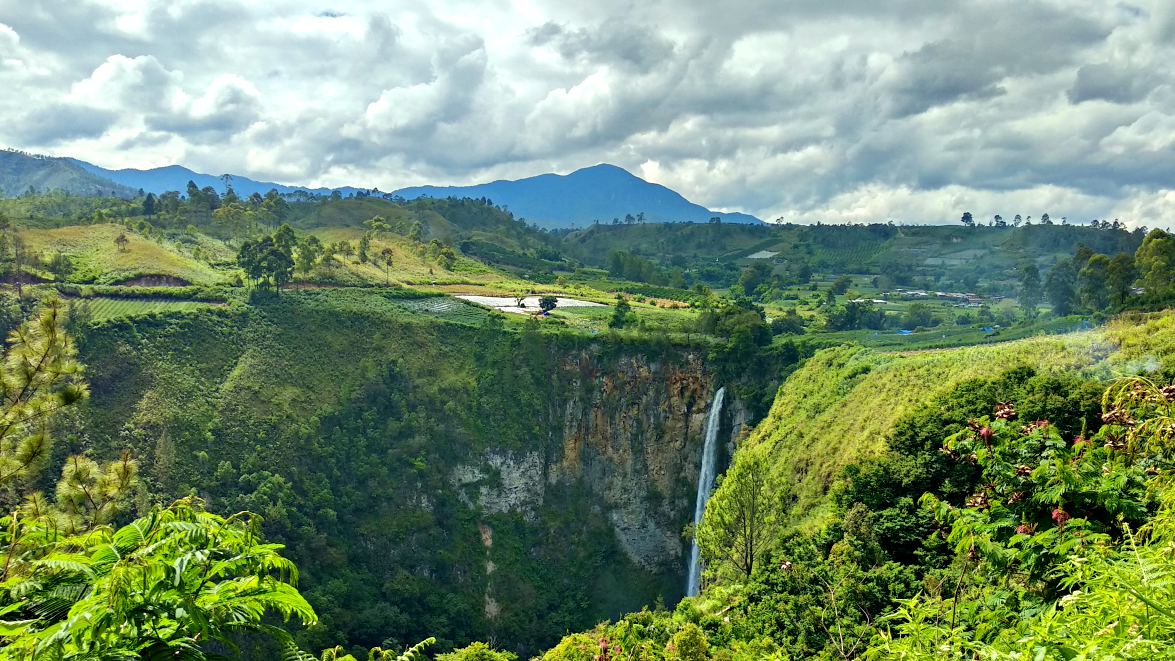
21, 172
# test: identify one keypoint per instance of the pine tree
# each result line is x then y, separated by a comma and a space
39, 376
739, 521
177, 583
364, 244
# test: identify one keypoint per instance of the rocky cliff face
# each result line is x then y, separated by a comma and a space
630, 432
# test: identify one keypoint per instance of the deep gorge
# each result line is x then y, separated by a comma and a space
484, 482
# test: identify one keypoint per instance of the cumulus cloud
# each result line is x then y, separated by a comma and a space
615, 42
1106, 82
911, 110
229, 105
131, 84
61, 123
9, 41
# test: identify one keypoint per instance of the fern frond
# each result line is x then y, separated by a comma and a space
416, 652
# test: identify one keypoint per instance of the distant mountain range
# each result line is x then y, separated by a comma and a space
601, 192
20, 171
176, 177
598, 193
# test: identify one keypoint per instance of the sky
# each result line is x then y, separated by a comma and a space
801, 110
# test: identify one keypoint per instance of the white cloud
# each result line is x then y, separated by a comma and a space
1148, 208
131, 84
15, 61
807, 109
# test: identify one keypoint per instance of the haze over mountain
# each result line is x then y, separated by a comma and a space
601, 192
19, 171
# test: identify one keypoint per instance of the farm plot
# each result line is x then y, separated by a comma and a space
104, 309
445, 307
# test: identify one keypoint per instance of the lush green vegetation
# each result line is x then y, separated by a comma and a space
174, 583
909, 288
951, 258
844, 403
1015, 513
441, 471
95, 255
100, 309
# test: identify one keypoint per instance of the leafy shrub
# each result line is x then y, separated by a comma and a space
1066, 550
477, 652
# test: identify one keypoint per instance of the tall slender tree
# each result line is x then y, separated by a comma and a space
1030, 289
1093, 283
1061, 288
1120, 277
385, 257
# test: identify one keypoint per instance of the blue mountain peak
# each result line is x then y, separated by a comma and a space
597, 193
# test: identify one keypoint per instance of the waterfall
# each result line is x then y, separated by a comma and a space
705, 485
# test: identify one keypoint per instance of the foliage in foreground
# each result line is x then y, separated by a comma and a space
177, 582
1069, 549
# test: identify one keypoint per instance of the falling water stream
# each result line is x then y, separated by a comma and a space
705, 486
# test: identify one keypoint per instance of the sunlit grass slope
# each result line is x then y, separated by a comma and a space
842, 405
97, 258
411, 264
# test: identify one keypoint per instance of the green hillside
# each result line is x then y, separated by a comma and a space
843, 404
459, 470
446, 220
343, 416
410, 264
97, 258
1009, 501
